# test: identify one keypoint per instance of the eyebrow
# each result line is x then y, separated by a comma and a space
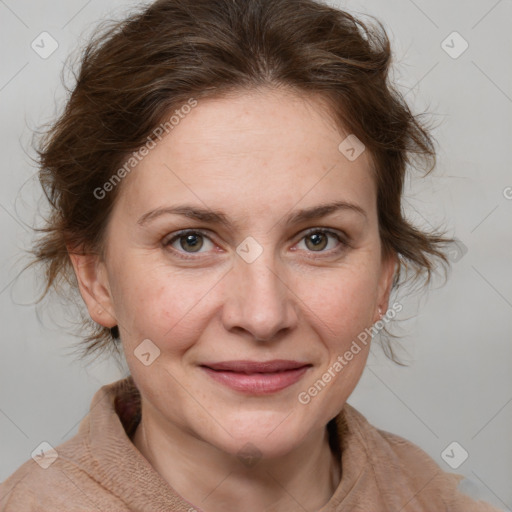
218, 217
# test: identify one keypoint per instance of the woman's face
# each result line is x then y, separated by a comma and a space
255, 272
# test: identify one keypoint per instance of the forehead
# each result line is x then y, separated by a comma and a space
252, 149
260, 123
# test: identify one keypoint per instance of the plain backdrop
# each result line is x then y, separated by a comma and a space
456, 338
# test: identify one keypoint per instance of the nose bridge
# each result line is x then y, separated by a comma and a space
262, 278
260, 301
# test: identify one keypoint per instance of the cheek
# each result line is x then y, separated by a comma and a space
167, 307
341, 312
342, 299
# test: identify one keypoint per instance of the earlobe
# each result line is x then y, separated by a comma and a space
386, 283
94, 287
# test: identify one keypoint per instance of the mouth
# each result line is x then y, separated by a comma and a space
255, 377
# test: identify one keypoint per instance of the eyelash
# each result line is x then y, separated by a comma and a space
344, 243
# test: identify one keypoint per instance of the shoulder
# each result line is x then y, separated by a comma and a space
62, 485
32, 487
64, 477
402, 468
431, 480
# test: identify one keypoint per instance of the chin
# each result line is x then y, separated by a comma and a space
270, 435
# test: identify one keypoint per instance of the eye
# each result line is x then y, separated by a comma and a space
317, 240
189, 242
193, 241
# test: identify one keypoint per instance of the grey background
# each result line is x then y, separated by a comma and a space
456, 337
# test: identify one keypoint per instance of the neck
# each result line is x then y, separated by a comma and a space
215, 481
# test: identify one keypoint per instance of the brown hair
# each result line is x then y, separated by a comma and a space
137, 71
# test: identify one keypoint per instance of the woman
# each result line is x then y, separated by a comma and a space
226, 183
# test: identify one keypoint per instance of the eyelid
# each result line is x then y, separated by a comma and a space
341, 235
183, 232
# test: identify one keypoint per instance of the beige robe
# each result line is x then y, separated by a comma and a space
100, 469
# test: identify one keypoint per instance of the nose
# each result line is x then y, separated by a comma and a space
259, 300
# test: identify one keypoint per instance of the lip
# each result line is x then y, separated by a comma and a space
256, 377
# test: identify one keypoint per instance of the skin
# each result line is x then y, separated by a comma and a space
256, 156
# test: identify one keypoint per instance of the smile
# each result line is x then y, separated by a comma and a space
257, 377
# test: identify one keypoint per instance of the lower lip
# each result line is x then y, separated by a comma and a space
257, 383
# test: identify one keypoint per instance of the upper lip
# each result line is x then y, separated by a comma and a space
276, 365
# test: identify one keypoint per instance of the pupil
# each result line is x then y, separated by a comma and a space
317, 239
193, 241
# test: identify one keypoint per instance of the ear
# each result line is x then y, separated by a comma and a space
388, 268
93, 283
